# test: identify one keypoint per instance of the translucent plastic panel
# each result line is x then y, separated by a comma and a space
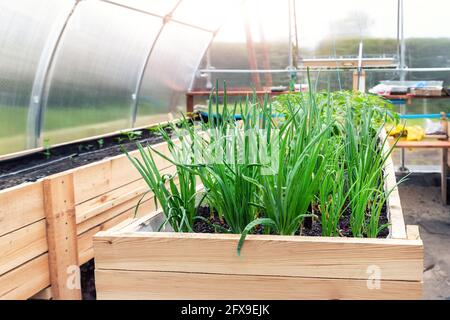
96, 71
426, 19
334, 28
159, 7
269, 31
427, 38
24, 28
208, 14
171, 69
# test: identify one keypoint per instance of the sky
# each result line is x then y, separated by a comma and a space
320, 19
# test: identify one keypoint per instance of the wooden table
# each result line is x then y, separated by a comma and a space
409, 97
230, 93
439, 144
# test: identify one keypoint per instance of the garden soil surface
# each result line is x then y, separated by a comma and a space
421, 203
312, 227
35, 166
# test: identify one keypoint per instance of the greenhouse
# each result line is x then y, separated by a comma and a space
224, 150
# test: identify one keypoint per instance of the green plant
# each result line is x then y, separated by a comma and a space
132, 135
229, 178
288, 194
333, 193
100, 143
177, 202
322, 158
365, 162
47, 152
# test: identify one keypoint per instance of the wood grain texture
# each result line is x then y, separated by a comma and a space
92, 212
413, 232
26, 280
45, 294
261, 255
85, 240
397, 228
20, 206
444, 175
22, 245
98, 205
61, 235
428, 144
98, 178
117, 284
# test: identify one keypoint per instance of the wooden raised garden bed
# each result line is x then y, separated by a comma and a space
48, 225
135, 263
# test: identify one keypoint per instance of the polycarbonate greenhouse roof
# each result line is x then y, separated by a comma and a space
90, 67
74, 69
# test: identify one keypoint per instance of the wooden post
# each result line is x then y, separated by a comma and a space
189, 103
445, 159
444, 175
362, 81
59, 205
444, 123
251, 54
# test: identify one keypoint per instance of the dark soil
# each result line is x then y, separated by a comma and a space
34, 166
311, 227
315, 229
88, 280
202, 226
213, 223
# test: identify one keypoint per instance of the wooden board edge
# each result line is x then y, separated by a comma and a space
26, 280
397, 227
45, 294
118, 284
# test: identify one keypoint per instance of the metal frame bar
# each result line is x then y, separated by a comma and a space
137, 92
159, 16
320, 70
242, 3
35, 120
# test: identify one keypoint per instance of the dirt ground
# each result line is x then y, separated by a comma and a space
421, 202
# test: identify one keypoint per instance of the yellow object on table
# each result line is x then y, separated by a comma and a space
412, 133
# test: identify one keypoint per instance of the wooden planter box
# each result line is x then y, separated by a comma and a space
48, 225
134, 264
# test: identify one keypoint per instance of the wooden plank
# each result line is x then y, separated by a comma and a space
428, 144
124, 171
235, 92
397, 228
101, 177
111, 213
26, 280
99, 205
262, 255
61, 236
361, 83
92, 180
118, 284
448, 159
45, 294
413, 232
85, 240
20, 206
347, 63
444, 174
22, 245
